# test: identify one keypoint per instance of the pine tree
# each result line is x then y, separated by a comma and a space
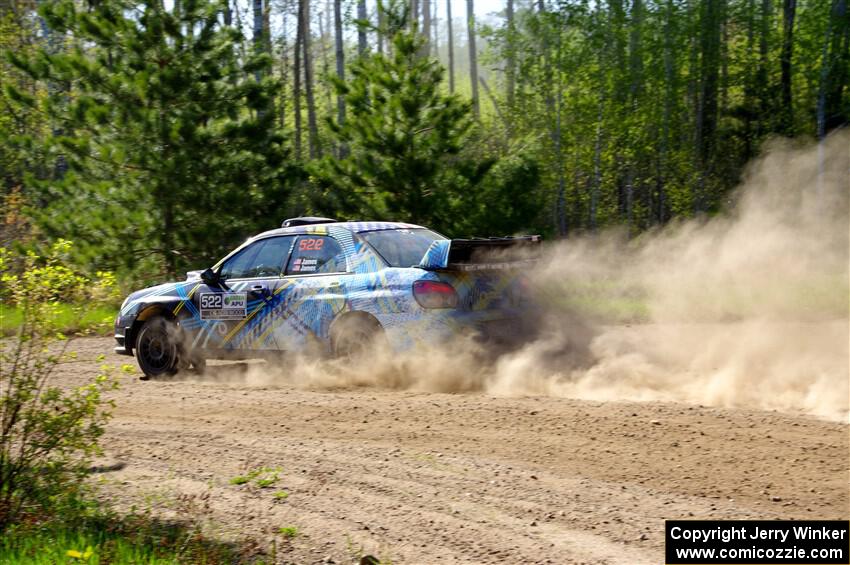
169, 140
405, 137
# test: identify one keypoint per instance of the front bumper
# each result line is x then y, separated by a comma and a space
123, 341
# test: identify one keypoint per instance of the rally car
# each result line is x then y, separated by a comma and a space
329, 287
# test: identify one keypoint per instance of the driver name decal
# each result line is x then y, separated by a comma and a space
223, 305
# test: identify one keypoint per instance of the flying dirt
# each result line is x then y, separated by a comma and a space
748, 308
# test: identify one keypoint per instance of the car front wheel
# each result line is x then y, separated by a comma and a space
157, 348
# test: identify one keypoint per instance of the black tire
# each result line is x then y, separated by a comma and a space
354, 336
158, 349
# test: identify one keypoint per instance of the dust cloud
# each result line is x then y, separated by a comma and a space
747, 308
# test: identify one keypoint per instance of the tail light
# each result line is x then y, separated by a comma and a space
434, 294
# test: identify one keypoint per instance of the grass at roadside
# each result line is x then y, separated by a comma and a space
119, 540
67, 318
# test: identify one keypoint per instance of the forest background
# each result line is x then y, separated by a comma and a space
157, 135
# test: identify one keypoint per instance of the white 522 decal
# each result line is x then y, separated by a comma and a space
223, 305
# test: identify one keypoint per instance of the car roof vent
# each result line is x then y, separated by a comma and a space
305, 221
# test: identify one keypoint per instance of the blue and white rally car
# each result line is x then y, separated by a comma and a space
328, 285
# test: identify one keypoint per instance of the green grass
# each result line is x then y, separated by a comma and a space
132, 540
68, 319
263, 477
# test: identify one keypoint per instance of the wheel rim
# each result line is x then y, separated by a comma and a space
156, 349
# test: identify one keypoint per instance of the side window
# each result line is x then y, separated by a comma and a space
264, 258
316, 254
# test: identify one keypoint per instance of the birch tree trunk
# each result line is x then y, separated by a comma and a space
296, 82
789, 12
473, 56
361, 28
324, 47
561, 207
669, 99
284, 69
435, 32
380, 29
267, 28
258, 39
312, 127
833, 78
749, 81
340, 69
597, 156
426, 27
707, 106
451, 46
765, 98
635, 91
510, 62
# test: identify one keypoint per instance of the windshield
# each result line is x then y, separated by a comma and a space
402, 247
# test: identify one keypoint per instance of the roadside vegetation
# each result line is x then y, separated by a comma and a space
48, 292
68, 319
48, 436
107, 538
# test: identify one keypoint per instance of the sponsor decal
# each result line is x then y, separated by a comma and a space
304, 265
223, 305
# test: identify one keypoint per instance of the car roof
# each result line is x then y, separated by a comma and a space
355, 227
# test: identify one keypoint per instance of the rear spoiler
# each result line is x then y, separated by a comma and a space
482, 254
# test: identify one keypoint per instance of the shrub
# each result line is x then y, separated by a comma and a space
47, 433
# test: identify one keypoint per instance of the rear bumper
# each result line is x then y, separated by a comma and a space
496, 327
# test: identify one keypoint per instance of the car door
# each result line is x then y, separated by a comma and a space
236, 314
311, 292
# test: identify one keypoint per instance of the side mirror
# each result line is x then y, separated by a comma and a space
210, 277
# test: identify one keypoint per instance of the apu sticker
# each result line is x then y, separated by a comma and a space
224, 306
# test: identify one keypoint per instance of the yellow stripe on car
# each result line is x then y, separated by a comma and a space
188, 297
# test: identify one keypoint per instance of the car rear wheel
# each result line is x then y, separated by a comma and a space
354, 336
157, 348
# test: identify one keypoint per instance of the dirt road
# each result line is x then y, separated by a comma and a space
439, 478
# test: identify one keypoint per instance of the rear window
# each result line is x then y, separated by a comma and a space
402, 247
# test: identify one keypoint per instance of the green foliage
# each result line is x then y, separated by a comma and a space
168, 149
403, 139
17, 35
68, 301
47, 433
262, 477
240, 480
509, 199
648, 111
288, 531
102, 538
69, 319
